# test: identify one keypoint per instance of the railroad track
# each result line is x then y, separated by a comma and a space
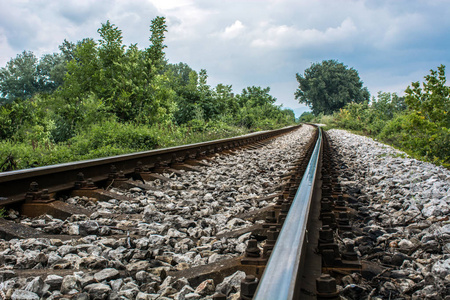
163, 224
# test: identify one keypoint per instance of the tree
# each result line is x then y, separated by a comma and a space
328, 86
51, 71
255, 96
225, 99
156, 50
386, 105
433, 100
307, 116
19, 78
26, 75
83, 71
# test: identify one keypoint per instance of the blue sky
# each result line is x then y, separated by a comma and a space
253, 42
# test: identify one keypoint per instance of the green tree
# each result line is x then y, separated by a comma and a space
67, 49
112, 62
226, 101
386, 105
51, 71
328, 86
26, 75
178, 75
156, 49
255, 96
307, 116
83, 72
256, 107
432, 100
19, 78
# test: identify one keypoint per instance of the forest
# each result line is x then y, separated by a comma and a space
97, 98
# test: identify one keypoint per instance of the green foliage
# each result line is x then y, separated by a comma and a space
156, 50
19, 78
424, 131
419, 137
111, 135
419, 124
306, 117
101, 98
370, 118
25, 76
433, 100
328, 86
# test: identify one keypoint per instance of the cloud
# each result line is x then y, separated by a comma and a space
282, 36
249, 42
233, 30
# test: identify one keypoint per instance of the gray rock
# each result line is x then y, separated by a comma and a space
231, 284
106, 274
36, 285
129, 293
442, 268
24, 295
69, 284
73, 229
181, 295
142, 296
53, 257
180, 283
66, 249
116, 284
86, 280
88, 228
192, 296
98, 291
207, 287
81, 296
135, 267
167, 292
6, 274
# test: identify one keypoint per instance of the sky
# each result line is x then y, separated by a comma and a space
391, 43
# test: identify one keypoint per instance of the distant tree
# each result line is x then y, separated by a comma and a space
255, 96
288, 114
19, 78
307, 116
67, 49
227, 102
51, 71
178, 74
386, 105
26, 75
328, 86
83, 71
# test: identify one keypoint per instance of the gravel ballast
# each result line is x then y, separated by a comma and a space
401, 220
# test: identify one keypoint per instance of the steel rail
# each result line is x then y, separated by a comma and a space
280, 279
60, 177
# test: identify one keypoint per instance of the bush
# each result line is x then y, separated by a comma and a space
112, 136
419, 137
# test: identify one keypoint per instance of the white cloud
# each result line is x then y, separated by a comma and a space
249, 42
166, 5
283, 36
233, 30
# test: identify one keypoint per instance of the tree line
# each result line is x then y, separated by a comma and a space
418, 122
99, 97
